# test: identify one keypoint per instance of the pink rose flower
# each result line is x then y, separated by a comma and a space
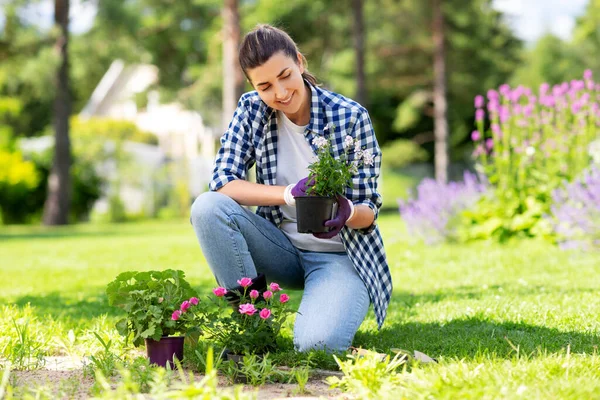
274, 287
254, 294
247, 309
184, 306
220, 291
176, 314
284, 298
244, 282
267, 295
265, 313
194, 301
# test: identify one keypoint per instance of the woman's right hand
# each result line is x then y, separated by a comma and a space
299, 190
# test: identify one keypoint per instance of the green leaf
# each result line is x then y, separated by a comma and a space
122, 327
148, 332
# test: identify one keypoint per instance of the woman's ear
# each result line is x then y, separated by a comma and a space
300, 60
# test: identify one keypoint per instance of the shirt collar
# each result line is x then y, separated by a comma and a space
317, 114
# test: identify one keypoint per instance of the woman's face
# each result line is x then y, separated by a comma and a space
279, 83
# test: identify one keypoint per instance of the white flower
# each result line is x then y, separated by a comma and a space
357, 148
594, 151
530, 150
367, 157
348, 141
320, 142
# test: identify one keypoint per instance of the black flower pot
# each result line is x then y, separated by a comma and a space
161, 352
238, 360
313, 211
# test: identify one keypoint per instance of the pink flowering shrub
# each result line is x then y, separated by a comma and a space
527, 144
253, 326
190, 316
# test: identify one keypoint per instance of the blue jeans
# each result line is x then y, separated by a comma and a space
238, 243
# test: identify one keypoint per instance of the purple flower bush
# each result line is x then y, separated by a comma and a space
576, 212
527, 144
429, 214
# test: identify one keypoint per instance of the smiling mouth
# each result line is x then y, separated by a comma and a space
288, 100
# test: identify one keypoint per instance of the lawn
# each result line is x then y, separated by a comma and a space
519, 319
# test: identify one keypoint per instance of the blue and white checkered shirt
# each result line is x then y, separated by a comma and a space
252, 139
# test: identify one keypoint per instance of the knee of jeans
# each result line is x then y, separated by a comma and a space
330, 342
207, 206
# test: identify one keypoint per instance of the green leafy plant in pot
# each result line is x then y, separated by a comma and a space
149, 299
329, 177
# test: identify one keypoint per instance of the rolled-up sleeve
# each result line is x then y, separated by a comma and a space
236, 155
364, 183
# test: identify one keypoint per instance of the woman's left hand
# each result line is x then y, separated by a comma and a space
344, 213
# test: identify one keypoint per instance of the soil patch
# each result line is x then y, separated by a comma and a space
65, 375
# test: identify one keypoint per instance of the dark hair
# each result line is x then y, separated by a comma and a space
262, 42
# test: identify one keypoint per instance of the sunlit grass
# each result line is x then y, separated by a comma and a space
503, 320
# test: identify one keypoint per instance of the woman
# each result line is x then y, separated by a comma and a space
341, 271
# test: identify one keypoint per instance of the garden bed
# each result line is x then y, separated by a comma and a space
63, 375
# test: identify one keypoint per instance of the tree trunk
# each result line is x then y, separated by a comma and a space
233, 80
358, 33
439, 95
58, 201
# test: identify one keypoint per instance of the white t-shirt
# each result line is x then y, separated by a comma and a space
295, 155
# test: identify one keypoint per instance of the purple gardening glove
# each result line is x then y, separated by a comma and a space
343, 213
302, 186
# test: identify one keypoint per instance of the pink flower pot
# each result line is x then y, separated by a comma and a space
162, 351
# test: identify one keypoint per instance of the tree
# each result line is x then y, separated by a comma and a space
439, 94
233, 81
586, 37
551, 60
358, 33
480, 53
56, 208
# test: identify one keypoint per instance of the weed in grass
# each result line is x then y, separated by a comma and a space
68, 387
142, 372
126, 387
256, 371
159, 382
368, 376
160, 385
301, 374
194, 356
105, 361
207, 387
4, 382
68, 344
320, 359
105, 326
26, 350
43, 391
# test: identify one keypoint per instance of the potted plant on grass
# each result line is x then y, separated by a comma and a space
149, 299
329, 177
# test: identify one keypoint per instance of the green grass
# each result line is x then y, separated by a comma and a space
504, 321
395, 185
